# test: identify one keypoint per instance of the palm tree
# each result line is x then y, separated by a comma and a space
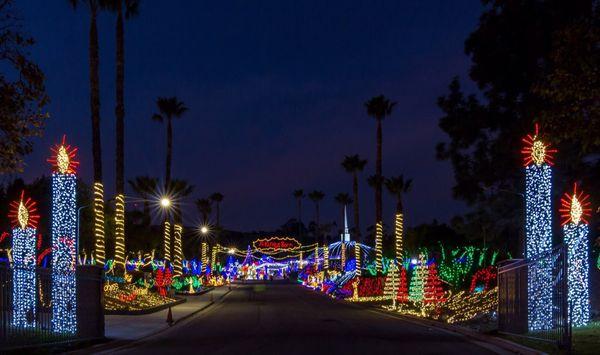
205, 208
217, 198
169, 108
344, 200
145, 187
131, 10
397, 187
93, 6
179, 189
353, 164
316, 197
299, 195
379, 107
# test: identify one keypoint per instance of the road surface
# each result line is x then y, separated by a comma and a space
289, 319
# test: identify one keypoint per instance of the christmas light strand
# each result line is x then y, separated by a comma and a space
178, 257
99, 248
378, 246
120, 232
398, 233
167, 241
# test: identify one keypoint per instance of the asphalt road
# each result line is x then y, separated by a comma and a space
289, 319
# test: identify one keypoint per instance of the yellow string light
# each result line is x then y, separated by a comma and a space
378, 246
204, 257
167, 241
399, 230
213, 258
120, 231
178, 257
357, 258
99, 223
325, 257
317, 256
343, 255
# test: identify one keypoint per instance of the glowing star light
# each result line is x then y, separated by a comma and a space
536, 151
23, 213
575, 207
63, 158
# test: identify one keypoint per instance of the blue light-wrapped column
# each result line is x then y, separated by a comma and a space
64, 310
24, 280
576, 238
538, 205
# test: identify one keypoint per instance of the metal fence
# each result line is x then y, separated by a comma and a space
532, 298
27, 320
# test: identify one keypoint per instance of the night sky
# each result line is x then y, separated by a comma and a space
275, 91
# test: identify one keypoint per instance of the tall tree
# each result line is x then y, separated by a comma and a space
94, 62
299, 195
344, 200
131, 9
379, 107
397, 187
205, 208
512, 56
353, 164
22, 92
169, 108
145, 187
316, 197
217, 198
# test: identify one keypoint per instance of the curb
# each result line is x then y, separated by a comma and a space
145, 311
116, 345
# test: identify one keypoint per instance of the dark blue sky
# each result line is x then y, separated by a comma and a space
275, 91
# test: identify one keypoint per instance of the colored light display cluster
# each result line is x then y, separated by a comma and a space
378, 246
24, 219
177, 264
99, 247
575, 209
120, 232
538, 228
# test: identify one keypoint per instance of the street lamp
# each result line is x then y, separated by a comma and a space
204, 230
165, 202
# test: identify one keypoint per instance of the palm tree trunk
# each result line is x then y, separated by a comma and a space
356, 215
299, 217
378, 211
120, 105
95, 94
318, 224
169, 152
218, 214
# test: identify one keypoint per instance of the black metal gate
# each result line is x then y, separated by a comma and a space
515, 284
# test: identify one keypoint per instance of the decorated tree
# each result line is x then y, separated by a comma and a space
402, 294
433, 291
417, 282
391, 282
